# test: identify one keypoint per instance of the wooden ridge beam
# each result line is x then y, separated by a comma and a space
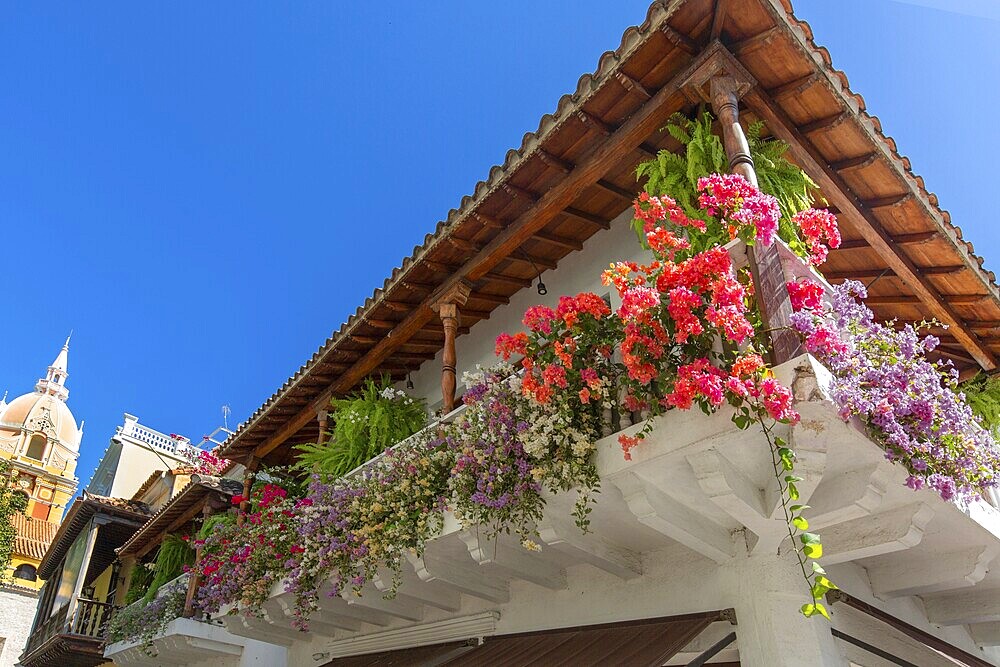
836, 191
593, 166
488, 221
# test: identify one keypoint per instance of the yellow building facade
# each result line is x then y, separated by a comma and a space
40, 438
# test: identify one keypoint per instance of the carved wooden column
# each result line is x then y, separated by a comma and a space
248, 476
322, 417
765, 263
194, 579
447, 308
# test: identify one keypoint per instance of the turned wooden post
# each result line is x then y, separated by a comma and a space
447, 308
322, 417
194, 580
248, 475
765, 263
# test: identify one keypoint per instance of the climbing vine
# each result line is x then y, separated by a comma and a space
12, 502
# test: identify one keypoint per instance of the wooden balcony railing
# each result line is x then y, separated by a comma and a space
89, 618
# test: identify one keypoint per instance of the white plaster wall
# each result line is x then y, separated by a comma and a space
17, 611
578, 272
135, 467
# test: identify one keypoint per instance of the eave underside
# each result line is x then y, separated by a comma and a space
577, 172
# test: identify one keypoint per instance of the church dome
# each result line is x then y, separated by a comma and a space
45, 413
45, 410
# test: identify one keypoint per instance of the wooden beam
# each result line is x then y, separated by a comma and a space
594, 165
552, 161
887, 202
380, 324
561, 241
794, 87
594, 123
758, 41
400, 306
439, 267
903, 239
592, 218
718, 19
488, 221
518, 192
497, 299
836, 191
951, 299
865, 274
608, 186
463, 244
680, 40
507, 280
531, 259
632, 86
823, 123
851, 164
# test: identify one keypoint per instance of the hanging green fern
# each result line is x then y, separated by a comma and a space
677, 174
365, 425
209, 525
982, 393
174, 554
138, 583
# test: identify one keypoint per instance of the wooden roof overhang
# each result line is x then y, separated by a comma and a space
179, 511
576, 172
122, 518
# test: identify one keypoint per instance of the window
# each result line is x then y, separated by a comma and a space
40, 511
26, 572
36, 447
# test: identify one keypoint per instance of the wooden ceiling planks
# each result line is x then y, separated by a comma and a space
567, 185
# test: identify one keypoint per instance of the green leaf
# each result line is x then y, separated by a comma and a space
813, 550
792, 478
817, 568
800, 523
793, 491
795, 509
809, 538
823, 581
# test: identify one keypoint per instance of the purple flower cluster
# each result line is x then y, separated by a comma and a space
911, 405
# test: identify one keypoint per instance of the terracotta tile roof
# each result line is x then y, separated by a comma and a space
33, 536
197, 491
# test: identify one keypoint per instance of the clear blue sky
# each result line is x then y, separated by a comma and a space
204, 191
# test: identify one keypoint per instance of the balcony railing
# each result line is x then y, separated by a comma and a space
89, 618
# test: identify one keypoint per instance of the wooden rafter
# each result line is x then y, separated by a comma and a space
903, 239
865, 221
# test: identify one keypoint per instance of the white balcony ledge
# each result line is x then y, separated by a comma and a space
185, 641
694, 522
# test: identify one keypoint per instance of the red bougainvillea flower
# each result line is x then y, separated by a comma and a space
627, 442
539, 319
804, 294
819, 229
507, 345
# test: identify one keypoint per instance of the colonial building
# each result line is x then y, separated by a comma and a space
40, 437
684, 563
143, 468
134, 451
